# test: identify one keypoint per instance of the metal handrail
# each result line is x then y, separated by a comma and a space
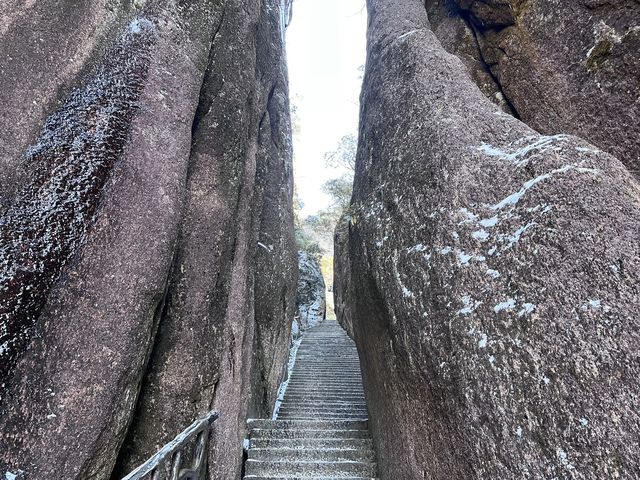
167, 463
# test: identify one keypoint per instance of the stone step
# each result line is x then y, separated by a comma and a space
318, 454
311, 380
325, 380
319, 404
324, 392
325, 416
323, 386
318, 387
319, 408
301, 407
321, 431
336, 378
348, 364
312, 443
290, 416
253, 467
297, 477
321, 424
329, 396
307, 433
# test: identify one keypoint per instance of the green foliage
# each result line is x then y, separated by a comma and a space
314, 234
307, 243
344, 156
339, 189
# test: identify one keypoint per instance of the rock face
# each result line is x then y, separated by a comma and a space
142, 163
342, 275
494, 278
311, 302
569, 66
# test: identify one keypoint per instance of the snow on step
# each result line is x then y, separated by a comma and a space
321, 431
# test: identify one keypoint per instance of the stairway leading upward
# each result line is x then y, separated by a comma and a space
321, 429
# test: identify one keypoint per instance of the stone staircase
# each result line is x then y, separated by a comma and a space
321, 430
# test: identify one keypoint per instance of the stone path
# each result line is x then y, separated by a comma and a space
321, 429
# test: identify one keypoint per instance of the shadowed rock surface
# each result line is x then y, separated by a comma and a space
494, 277
131, 278
563, 66
342, 275
311, 305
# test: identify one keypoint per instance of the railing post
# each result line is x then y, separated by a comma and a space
167, 463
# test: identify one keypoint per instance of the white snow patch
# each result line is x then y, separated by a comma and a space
295, 329
246, 444
508, 305
469, 305
493, 273
10, 476
380, 242
405, 35
267, 248
483, 340
417, 248
585, 149
526, 309
283, 386
595, 303
546, 380
519, 431
514, 198
564, 459
51, 416
489, 222
515, 238
138, 24
463, 257
470, 216
406, 292
584, 422
542, 144
481, 235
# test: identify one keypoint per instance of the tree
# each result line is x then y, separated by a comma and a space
344, 156
339, 189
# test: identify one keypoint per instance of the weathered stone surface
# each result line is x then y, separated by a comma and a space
342, 275
311, 305
39, 66
239, 196
100, 317
494, 278
276, 273
459, 38
568, 66
130, 267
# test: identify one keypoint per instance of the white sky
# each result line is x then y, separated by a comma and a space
325, 49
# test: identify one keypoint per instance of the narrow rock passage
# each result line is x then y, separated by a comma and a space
321, 428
